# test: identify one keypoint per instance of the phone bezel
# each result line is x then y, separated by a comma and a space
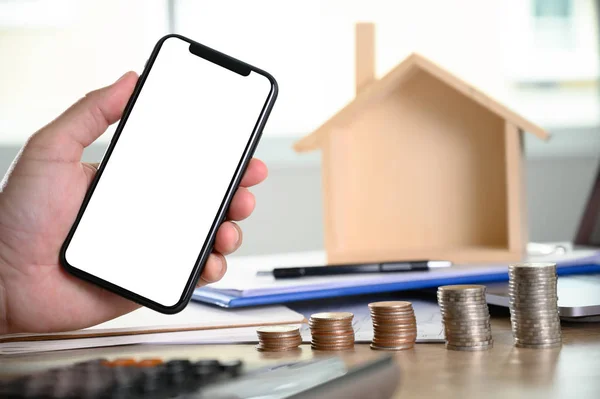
207, 246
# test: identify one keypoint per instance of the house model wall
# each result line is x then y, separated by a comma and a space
421, 165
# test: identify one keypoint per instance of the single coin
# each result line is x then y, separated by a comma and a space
278, 336
468, 348
462, 288
536, 346
391, 315
392, 348
321, 327
332, 348
281, 342
531, 265
264, 349
406, 338
401, 321
390, 304
330, 323
391, 328
319, 341
277, 329
332, 316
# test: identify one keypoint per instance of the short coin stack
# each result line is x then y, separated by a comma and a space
394, 325
332, 331
466, 317
534, 305
278, 338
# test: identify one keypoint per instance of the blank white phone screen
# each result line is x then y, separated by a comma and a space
151, 212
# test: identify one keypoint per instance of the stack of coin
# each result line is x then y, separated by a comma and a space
278, 338
534, 305
394, 325
332, 331
466, 317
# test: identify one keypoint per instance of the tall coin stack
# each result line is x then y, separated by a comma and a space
278, 338
332, 331
534, 305
466, 317
394, 325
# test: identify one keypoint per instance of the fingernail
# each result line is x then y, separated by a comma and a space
219, 261
122, 77
237, 235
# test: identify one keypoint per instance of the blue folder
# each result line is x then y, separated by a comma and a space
389, 282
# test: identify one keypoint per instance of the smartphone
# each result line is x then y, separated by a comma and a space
149, 219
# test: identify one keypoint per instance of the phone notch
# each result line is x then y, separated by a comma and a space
220, 59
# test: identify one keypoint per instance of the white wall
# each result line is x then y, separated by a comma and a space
44, 67
49, 63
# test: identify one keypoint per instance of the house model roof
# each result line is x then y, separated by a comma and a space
381, 88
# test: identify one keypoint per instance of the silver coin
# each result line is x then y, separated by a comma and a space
536, 322
467, 330
545, 299
542, 346
515, 291
533, 318
464, 309
473, 335
533, 294
445, 310
533, 273
536, 272
534, 267
531, 327
533, 310
537, 340
460, 301
468, 315
477, 343
535, 330
540, 341
469, 341
468, 348
526, 282
537, 333
467, 322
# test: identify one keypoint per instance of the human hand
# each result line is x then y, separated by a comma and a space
41, 196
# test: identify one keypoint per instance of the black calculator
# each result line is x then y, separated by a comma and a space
323, 377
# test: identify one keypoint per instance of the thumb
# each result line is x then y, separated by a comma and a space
81, 124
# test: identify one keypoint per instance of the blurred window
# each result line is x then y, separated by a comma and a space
539, 57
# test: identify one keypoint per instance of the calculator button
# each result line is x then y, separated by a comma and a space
233, 367
150, 381
178, 371
206, 369
178, 365
126, 362
149, 362
208, 363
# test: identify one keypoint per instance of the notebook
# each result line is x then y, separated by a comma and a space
242, 287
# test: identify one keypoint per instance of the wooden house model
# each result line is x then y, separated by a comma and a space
421, 165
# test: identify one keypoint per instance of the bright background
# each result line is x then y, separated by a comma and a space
540, 57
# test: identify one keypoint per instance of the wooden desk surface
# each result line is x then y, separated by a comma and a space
428, 371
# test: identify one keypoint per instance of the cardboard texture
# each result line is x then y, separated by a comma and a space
421, 165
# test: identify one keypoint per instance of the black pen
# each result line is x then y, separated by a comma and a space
359, 268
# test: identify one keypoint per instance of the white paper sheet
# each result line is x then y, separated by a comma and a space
429, 322
206, 323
